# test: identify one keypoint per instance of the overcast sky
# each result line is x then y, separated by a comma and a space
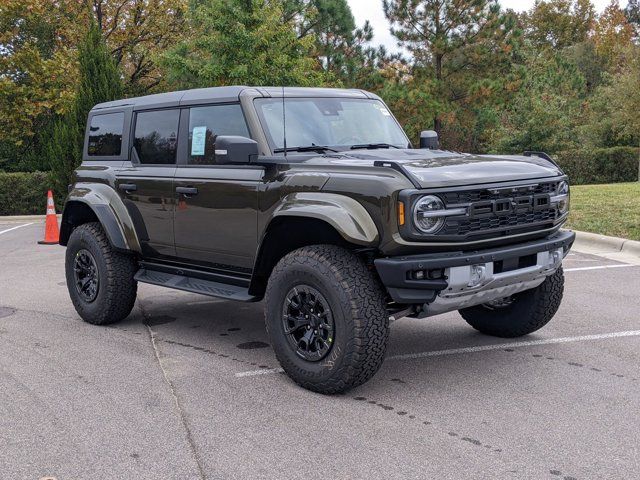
372, 10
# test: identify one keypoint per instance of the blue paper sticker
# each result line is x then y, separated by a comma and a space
198, 140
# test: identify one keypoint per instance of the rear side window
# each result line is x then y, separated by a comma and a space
156, 136
105, 134
206, 123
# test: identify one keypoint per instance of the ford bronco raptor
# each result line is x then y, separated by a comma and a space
315, 201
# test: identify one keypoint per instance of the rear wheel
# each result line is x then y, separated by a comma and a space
99, 278
326, 318
519, 314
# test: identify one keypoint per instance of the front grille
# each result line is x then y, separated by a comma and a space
482, 220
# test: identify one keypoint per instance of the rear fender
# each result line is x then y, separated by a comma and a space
110, 211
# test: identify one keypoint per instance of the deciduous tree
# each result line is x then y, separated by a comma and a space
558, 24
613, 35
137, 32
613, 115
36, 66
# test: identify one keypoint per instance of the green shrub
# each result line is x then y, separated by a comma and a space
600, 165
23, 193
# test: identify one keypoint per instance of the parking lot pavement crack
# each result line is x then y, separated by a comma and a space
176, 398
263, 368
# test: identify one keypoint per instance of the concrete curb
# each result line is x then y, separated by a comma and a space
621, 249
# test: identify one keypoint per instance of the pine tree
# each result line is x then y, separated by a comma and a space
236, 42
99, 82
463, 49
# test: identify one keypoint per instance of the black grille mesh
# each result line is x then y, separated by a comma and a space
492, 222
465, 226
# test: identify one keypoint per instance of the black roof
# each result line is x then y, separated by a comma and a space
227, 94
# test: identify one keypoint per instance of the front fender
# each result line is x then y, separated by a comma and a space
108, 207
350, 219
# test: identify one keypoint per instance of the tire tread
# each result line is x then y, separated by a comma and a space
532, 310
369, 325
120, 289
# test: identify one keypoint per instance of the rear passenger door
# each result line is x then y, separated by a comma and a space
146, 182
216, 216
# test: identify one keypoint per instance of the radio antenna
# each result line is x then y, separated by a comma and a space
284, 125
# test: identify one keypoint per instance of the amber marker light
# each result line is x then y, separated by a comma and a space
400, 213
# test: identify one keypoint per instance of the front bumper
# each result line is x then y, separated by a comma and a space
462, 279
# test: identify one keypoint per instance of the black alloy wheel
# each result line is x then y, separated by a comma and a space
86, 276
308, 323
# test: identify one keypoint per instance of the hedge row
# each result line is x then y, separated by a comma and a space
600, 165
24, 193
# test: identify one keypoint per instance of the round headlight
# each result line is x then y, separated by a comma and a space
563, 204
563, 188
425, 214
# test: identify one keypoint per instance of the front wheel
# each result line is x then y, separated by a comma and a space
520, 314
326, 318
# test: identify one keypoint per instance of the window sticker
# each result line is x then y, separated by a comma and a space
198, 140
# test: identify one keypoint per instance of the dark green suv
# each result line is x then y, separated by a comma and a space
314, 200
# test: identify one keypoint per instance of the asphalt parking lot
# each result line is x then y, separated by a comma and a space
187, 387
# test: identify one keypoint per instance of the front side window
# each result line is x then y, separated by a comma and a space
206, 123
105, 134
156, 136
340, 123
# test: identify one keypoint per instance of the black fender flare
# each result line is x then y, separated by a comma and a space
346, 215
107, 207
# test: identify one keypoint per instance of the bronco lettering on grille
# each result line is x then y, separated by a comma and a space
506, 206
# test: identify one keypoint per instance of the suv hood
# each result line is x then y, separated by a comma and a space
438, 168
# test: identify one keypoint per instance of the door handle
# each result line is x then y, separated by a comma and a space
128, 187
187, 191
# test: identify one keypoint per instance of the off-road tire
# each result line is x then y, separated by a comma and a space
530, 311
117, 289
357, 302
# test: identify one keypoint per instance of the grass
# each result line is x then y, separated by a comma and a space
611, 209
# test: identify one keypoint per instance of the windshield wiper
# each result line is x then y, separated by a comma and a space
309, 148
371, 146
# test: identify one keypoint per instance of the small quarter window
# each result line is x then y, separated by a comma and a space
105, 134
156, 136
206, 123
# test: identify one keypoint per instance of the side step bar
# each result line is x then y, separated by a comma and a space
194, 285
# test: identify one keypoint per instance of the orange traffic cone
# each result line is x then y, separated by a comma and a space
51, 231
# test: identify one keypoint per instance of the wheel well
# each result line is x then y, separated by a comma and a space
286, 234
75, 214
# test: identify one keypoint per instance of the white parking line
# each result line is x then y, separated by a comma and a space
599, 267
264, 371
479, 348
14, 228
528, 343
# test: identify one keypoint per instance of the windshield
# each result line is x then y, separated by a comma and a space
337, 123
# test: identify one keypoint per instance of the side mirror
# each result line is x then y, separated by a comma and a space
235, 149
429, 139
